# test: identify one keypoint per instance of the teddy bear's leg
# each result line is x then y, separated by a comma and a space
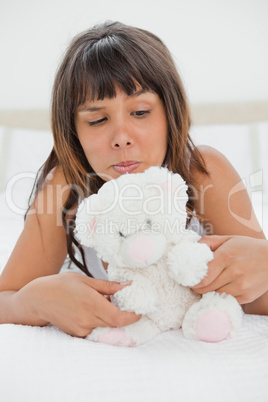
111, 336
132, 335
142, 331
214, 318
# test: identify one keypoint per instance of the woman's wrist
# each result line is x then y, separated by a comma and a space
27, 306
260, 305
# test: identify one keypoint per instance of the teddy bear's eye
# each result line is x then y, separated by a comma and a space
121, 234
149, 222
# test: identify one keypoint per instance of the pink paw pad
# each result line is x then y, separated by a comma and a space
117, 337
213, 326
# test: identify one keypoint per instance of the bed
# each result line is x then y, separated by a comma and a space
45, 364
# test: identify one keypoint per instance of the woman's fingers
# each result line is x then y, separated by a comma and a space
105, 287
111, 315
239, 268
215, 268
221, 280
107, 313
218, 264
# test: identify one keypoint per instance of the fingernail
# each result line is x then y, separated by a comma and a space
125, 283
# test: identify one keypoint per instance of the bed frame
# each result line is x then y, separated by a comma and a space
202, 114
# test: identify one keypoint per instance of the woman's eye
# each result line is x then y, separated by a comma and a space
94, 123
141, 113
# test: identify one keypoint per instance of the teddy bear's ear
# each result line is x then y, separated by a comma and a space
85, 231
174, 183
176, 190
85, 225
169, 181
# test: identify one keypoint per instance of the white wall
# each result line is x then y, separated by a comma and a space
220, 46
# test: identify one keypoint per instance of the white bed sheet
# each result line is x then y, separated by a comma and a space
44, 364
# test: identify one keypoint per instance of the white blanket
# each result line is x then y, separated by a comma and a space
44, 364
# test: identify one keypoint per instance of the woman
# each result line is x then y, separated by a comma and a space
118, 106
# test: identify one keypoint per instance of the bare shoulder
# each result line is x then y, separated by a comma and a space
221, 197
53, 195
217, 165
56, 179
56, 176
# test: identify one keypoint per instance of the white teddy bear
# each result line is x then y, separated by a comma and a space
137, 223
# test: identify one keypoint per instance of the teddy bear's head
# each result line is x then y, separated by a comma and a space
132, 219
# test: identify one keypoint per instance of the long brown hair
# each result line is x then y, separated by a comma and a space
97, 60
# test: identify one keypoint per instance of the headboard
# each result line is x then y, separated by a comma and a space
202, 114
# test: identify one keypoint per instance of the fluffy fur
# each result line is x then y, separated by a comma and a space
137, 223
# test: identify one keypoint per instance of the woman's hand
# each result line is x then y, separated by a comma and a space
73, 302
239, 267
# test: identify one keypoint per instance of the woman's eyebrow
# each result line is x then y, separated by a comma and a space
86, 108
140, 92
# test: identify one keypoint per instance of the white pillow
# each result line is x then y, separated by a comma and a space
23, 151
231, 140
263, 145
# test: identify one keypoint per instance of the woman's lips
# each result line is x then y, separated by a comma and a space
126, 167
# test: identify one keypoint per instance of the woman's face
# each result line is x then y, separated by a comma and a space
124, 134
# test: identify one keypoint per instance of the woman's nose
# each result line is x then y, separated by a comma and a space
121, 137
122, 143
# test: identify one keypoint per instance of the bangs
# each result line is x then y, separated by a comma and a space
106, 64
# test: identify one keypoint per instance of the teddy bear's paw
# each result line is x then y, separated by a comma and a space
208, 326
188, 261
117, 337
213, 326
111, 336
96, 334
139, 297
214, 318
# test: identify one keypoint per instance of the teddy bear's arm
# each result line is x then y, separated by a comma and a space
188, 261
139, 297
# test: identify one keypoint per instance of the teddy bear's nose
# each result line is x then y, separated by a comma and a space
140, 250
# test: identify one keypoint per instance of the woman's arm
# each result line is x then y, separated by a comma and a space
221, 198
31, 289
222, 201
